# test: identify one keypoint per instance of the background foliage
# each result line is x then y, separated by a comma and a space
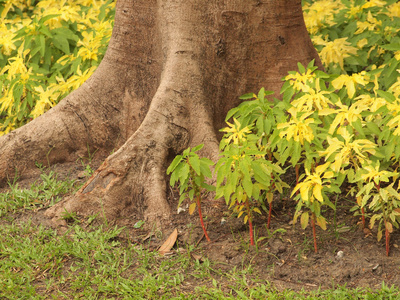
47, 49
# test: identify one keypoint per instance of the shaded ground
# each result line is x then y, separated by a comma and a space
284, 255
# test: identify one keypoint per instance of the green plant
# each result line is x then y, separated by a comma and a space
86, 161
260, 116
384, 202
47, 49
45, 192
190, 171
243, 173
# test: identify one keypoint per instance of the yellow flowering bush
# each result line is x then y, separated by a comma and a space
47, 49
340, 126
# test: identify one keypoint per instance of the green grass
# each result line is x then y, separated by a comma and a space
46, 192
96, 262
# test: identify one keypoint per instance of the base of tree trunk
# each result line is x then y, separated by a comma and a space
172, 71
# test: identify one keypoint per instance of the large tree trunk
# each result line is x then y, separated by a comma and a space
172, 70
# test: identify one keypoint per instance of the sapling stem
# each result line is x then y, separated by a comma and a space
297, 169
387, 237
269, 215
363, 216
201, 218
314, 232
250, 223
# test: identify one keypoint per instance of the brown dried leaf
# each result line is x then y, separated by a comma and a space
169, 243
197, 257
389, 227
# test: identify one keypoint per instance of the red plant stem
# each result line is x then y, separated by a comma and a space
363, 216
251, 232
297, 168
272, 188
387, 236
269, 215
250, 223
201, 219
314, 232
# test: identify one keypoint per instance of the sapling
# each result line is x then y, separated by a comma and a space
190, 171
384, 202
312, 196
258, 115
243, 173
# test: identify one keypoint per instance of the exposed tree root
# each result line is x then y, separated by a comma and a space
172, 71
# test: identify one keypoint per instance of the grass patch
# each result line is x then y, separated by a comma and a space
99, 262
43, 193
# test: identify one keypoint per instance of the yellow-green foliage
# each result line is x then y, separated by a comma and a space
47, 49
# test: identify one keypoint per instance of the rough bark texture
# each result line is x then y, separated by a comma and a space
172, 70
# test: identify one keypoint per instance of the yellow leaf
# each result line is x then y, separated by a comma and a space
379, 235
257, 210
351, 88
321, 222
339, 82
192, 207
304, 192
359, 200
270, 197
304, 220
245, 219
317, 192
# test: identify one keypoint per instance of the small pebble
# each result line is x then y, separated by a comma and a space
340, 254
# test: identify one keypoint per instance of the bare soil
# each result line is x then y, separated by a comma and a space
284, 255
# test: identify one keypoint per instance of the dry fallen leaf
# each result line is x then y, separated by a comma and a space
197, 257
169, 243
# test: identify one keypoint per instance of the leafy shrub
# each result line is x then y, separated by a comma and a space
47, 49
337, 127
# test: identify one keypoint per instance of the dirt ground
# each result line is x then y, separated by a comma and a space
284, 255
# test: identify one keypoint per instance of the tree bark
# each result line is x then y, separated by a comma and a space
172, 71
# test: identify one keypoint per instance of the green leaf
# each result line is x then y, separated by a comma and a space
247, 96
296, 153
184, 172
191, 194
301, 68
197, 148
285, 86
389, 150
373, 128
231, 113
43, 29
42, 44
205, 168
391, 47
61, 43
48, 17
247, 186
386, 95
261, 94
65, 32
174, 163
358, 126
195, 163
